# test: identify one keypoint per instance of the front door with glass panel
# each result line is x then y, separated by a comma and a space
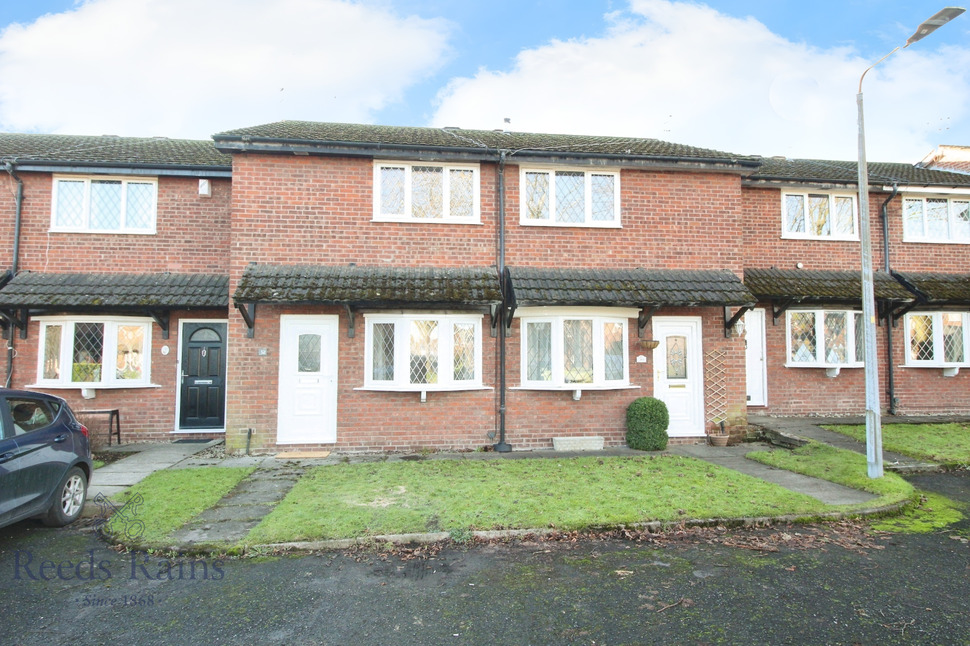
202, 396
308, 380
678, 373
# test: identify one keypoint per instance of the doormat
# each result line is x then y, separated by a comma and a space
190, 441
301, 455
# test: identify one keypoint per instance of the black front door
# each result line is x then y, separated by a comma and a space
203, 396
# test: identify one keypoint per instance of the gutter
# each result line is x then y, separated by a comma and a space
10, 167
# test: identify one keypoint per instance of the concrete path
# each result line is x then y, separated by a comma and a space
811, 429
144, 459
732, 457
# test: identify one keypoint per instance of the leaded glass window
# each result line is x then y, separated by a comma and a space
936, 219
569, 197
825, 338
570, 351
426, 192
937, 338
98, 352
819, 215
104, 205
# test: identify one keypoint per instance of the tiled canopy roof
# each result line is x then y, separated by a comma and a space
154, 152
940, 288
121, 291
846, 172
374, 286
461, 139
820, 286
626, 287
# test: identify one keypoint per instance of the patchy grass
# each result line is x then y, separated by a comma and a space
97, 464
943, 443
457, 496
840, 466
171, 498
932, 513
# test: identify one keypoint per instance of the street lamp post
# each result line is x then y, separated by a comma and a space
873, 421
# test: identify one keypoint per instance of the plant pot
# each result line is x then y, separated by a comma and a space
718, 440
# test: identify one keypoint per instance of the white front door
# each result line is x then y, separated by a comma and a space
308, 380
754, 352
679, 373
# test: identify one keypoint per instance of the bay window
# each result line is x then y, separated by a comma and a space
937, 338
825, 338
423, 352
573, 351
94, 353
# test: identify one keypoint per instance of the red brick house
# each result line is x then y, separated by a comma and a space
384, 288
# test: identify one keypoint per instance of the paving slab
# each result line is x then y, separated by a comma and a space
733, 457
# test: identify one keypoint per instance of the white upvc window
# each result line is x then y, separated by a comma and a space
936, 219
825, 339
937, 339
573, 351
569, 197
92, 352
423, 352
426, 192
104, 204
819, 216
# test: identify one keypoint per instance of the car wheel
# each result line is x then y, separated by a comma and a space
69, 501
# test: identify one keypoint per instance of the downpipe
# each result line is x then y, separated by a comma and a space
18, 221
890, 373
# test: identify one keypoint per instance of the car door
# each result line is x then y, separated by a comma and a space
43, 451
9, 492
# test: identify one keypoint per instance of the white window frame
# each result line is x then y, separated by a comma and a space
805, 235
407, 214
557, 317
402, 351
851, 348
551, 221
86, 227
909, 236
108, 353
938, 360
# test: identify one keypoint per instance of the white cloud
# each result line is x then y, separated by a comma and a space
190, 68
687, 73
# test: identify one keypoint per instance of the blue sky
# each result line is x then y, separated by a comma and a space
751, 77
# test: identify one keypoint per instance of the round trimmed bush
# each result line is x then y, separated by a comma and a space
646, 424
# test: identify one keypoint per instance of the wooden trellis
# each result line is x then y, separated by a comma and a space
715, 378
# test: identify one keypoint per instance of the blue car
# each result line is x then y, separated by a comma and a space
45, 459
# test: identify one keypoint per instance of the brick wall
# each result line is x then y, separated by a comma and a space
192, 233
146, 413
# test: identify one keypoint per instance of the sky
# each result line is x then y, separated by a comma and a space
751, 77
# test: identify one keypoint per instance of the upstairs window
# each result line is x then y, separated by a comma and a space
936, 219
426, 193
819, 216
825, 338
936, 338
570, 198
104, 205
94, 353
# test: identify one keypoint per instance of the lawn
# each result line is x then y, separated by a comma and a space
166, 500
840, 466
456, 496
943, 443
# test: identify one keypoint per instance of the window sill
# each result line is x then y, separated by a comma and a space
933, 241
579, 387
572, 225
788, 236
951, 370
428, 221
109, 232
423, 391
824, 366
92, 386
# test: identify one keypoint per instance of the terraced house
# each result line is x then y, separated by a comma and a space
384, 288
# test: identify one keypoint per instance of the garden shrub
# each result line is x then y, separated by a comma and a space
646, 424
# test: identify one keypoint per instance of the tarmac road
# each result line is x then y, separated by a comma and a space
837, 585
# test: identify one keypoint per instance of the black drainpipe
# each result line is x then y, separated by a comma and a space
502, 446
11, 169
890, 375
